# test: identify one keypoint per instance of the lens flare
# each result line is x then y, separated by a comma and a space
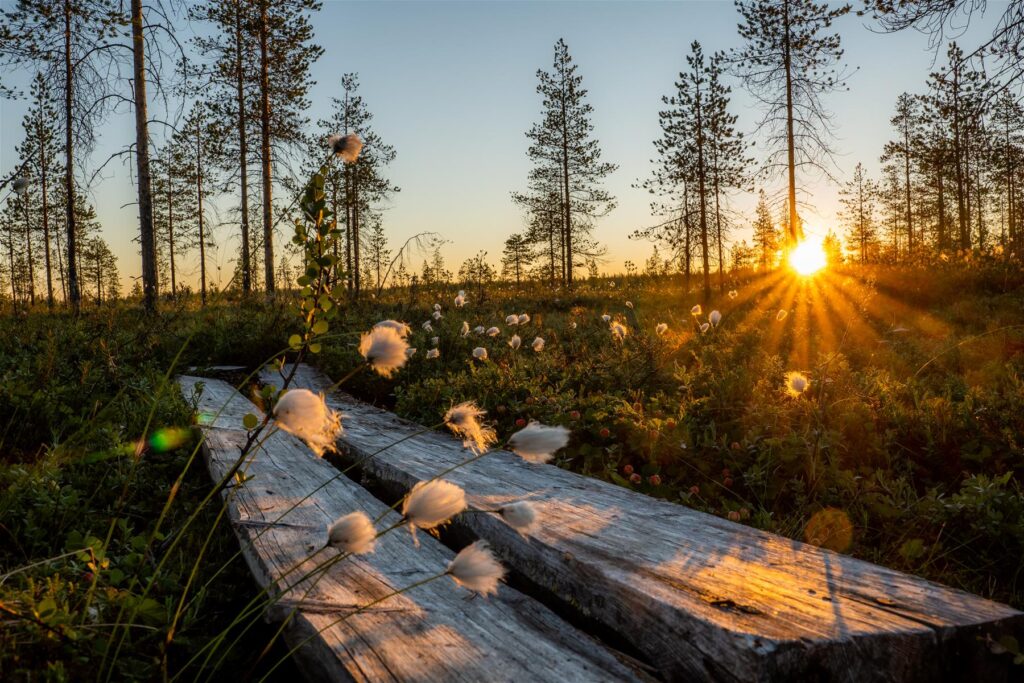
808, 258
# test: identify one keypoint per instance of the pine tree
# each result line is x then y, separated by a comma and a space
562, 146
905, 121
857, 197
766, 236
517, 257
788, 64
356, 191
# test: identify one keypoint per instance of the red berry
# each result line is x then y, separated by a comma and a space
734, 516
695, 490
736, 445
726, 473
575, 414
604, 433
627, 469
520, 422
87, 577
671, 424
635, 478
728, 482
654, 480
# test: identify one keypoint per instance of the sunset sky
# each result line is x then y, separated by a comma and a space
452, 87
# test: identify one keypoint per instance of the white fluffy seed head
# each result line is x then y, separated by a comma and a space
696, 310
493, 332
479, 329
384, 349
661, 329
704, 327
538, 344
512, 319
538, 443
715, 317
428, 326
521, 516
465, 329
464, 421
606, 318
618, 331
782, 314
304, 414
480, 353
437, 315
523, 318
437, 307
431, 503
515, 342
796, 383
410, 352
401, 328
460, 301
733, 294
476, 568
572, 325
346, 147
433, 353
434, 341
353, 533
629, 304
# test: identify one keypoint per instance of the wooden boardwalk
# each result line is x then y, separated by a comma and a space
432, 633
701, 597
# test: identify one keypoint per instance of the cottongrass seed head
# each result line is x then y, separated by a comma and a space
733, 294
521, 516
538, 443
346, 147
782, 314
433, 353
715, 317
512, 319
696, 310
524, 318
538, 344
410, 352
796, 383
353, 533
402, 329
480, 353
434, 341
384, 349
465, 329
704, 327
428, 326
606, 318
515, 342
464, 421
479, 329
661, 329
431, 503
618, 331
493, 332
460, 301
476, 568
304, 414
629, 305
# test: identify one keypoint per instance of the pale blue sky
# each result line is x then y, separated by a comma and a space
452, 86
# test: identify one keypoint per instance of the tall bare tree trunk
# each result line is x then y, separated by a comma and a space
794, 231
28, 251
74, 293
44, 178
243, 152
906, 179
357, 261
268, 227
146, 234
199, 200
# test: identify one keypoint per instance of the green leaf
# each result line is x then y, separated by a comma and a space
314, 348
250, 421
320, 327
295, 341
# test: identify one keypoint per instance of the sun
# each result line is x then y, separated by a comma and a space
808, 258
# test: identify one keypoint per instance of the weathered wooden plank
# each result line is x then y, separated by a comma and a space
431, 633
702, 597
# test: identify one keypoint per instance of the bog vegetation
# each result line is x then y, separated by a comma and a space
861, 392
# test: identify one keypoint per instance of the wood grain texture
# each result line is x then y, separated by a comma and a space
703, 598
431, 633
